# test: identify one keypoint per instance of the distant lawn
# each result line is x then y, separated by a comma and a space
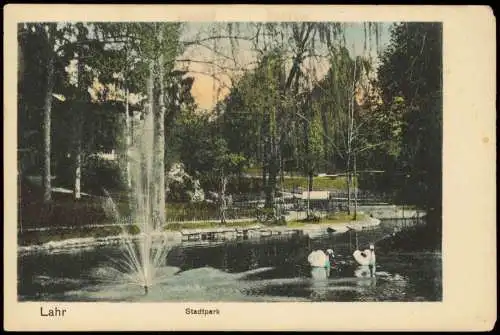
254, 171
343, 217
330, 219
333, 219
319, 183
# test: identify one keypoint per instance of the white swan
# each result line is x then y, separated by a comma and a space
320, 263
317, 258
366, 258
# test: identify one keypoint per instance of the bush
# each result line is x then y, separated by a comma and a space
133, 230
64, 212
99, 174
191, 211
179, 191
312, 218
264, 214
281, 221
104, 231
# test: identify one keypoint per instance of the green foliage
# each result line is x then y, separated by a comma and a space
331, 219
79, 125
204, 151
312, 218
133, 230
275, 115
339, 217
178, 191
99, 174
411, 81
191, 211
314, 156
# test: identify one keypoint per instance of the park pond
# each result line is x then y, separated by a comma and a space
266, 269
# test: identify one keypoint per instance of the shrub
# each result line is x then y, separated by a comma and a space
179, 191
63, 212
98, 173
133, 229
280, 221
191, 211
312, 218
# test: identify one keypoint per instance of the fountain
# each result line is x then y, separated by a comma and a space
145, 252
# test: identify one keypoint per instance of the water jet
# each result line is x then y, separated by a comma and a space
144, 253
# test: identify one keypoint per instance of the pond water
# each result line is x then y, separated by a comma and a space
268, 269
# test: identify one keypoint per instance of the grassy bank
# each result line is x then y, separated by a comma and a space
41, 237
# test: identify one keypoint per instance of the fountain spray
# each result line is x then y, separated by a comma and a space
145, 253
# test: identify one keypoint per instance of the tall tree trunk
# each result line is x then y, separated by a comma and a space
348, 177
265, 157
350, 137
78, 121
150, 161
78, 155
307, 170
128, 140
281, 169
272, 162
309, 190
222, 196
326, 140
159, 166
271, 181
311, 179
47, 111
355, 187
78, 160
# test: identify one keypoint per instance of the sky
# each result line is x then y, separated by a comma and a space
226, 61
229, 61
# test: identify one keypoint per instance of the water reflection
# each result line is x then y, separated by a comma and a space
274, 269
319, 273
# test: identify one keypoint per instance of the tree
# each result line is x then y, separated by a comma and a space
335, 99
81, 102
313, 153
410, 79
226, 164
44, 48
207, 155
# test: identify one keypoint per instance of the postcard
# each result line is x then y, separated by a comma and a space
249, 167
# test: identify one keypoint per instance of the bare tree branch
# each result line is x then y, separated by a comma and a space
218, 37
